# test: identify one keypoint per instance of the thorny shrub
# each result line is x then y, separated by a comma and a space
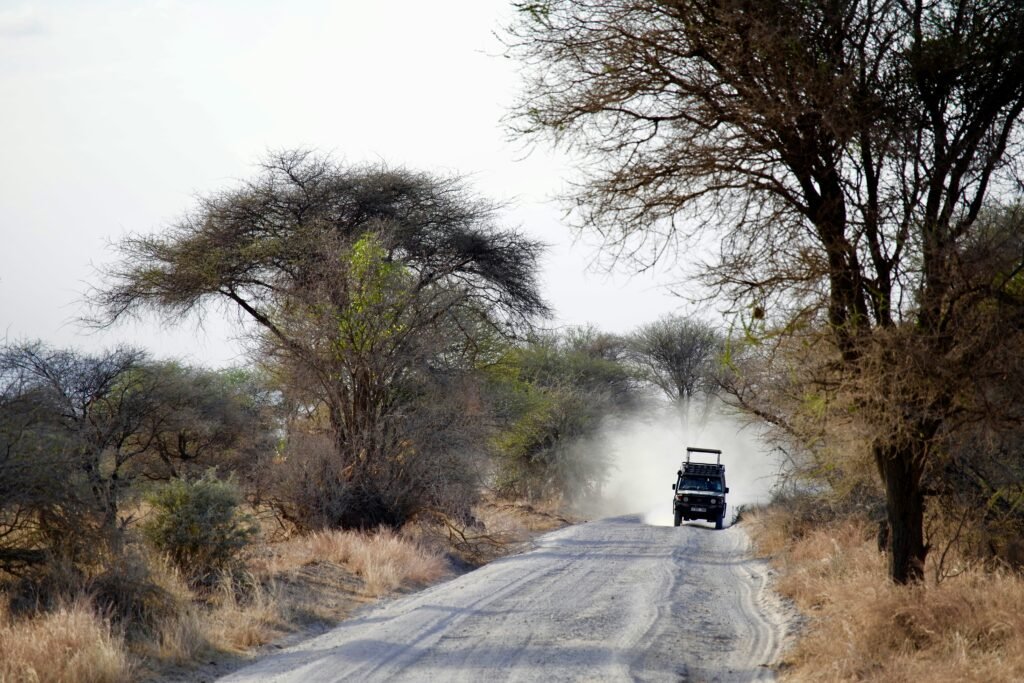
198, 525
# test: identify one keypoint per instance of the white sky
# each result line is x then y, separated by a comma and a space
114, 114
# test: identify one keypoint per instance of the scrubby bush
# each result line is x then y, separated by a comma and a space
79, 432
307, 486
198, 525
554, 394
304, 484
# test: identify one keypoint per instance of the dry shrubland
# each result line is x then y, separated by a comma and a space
169, 534
82, 640
180, 623
73, 644
860, 626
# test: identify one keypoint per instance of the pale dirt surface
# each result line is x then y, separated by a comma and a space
614, 599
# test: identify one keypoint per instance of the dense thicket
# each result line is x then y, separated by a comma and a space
80, 433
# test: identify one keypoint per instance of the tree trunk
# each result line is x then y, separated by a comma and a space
901, 470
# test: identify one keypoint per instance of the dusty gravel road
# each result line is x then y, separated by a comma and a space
608, 600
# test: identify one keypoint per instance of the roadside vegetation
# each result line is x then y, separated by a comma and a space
964, 623
403, 416
842, 178
137, 539
282, 588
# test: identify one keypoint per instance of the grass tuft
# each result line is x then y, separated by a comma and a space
245, 616
384, 560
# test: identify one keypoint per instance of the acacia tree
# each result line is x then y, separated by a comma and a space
676, 355
840, 150
362, 284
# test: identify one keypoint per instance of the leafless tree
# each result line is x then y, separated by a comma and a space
840, 150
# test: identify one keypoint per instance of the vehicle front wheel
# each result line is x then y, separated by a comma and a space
720, 522
679, 518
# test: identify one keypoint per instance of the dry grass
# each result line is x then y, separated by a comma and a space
862, 627
241, 619
293, 583
233, 618
503, 528
384, 560
69, 645
523, 519
179, 637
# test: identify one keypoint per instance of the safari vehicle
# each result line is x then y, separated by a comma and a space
700, 489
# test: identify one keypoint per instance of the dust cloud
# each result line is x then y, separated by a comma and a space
646, 450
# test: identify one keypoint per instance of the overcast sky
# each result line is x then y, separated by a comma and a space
115, 114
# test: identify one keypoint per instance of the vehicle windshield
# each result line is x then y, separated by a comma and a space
700, 484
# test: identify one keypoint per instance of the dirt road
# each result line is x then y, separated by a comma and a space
614, 599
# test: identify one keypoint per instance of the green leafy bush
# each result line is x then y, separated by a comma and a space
198, 525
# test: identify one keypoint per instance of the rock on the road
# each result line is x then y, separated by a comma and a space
614, 599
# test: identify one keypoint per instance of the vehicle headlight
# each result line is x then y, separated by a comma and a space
686, 499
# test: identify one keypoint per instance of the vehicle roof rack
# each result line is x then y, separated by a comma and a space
714, 451
701, 469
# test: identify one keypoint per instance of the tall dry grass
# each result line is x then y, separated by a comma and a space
241, 618
68, 645
73, 645
385, 561
235, 616
863, 627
